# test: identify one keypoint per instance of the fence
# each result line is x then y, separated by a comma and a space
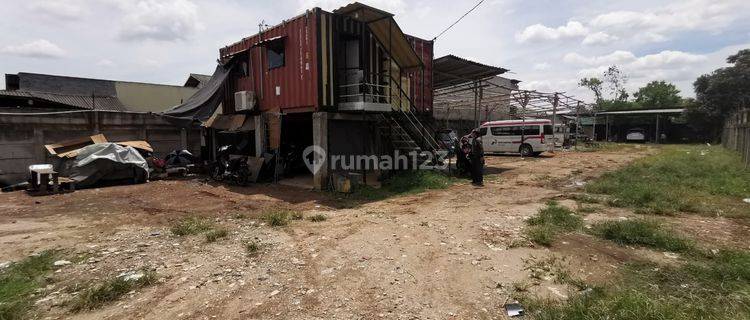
23, 135
736, 135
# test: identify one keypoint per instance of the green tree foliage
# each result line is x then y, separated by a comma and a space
593, 84
720, 93
658, 95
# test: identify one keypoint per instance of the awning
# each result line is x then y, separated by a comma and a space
387, 31
451, 70
202, 104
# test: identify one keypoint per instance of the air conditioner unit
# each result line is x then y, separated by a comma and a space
244, 100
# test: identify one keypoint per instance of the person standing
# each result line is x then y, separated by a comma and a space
477, 159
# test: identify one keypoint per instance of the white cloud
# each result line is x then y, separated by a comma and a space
616, 57
105, 63
599, 38
682, 16
541, 66
540, 32
159, 20
65, 10
667, 59
40, 48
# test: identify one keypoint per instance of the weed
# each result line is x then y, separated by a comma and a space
408, 182
586, 209
252, 247
585, 198
110, 290
318, 218
551, 221
696, 179
710, 288
296, 215
543, 235
641, 232
190, 226
557, 216
19, 281
277, 218
216, 234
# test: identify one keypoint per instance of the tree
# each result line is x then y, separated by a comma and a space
658, 95
721, 93
616, 81
594, 84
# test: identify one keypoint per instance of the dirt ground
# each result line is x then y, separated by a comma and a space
450, 253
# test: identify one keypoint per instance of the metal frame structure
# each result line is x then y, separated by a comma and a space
482, 95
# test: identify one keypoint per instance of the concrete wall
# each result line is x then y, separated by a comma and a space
23, 136
146, 97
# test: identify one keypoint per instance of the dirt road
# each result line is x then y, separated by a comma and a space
434, 255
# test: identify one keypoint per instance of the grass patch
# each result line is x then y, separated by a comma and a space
550, 222
19, 281
110, 290
191, 226
697, 179
408, 182
216, 234
641, 232
318, 218
712, 288
252, 247
281, 217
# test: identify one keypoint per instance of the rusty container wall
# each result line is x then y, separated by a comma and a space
420, 81
290, 88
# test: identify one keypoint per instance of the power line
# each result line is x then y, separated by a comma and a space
459, 19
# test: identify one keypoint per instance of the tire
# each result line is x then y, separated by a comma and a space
526, 150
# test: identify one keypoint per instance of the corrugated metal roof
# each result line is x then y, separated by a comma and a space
452, 70
385, 28
644, 111
197, 80
75, 101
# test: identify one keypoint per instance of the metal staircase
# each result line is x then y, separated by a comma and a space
410, 129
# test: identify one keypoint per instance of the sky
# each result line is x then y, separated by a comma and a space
548, 45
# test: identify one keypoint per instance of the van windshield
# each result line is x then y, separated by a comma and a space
548, 129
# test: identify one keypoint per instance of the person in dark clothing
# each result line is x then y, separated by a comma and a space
477, 159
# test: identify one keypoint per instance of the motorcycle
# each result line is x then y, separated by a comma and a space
230, 167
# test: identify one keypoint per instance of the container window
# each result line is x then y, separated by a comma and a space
275, 51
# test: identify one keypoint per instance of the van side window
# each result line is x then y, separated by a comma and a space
531, 130
483, 131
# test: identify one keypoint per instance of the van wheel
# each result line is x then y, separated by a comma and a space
526, 150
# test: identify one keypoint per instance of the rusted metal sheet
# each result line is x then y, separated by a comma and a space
292, 87
420, 80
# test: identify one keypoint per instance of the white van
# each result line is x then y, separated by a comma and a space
526, 137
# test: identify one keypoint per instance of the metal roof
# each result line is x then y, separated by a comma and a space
644, 111
385, 28
197, 80
75, 101
452, 70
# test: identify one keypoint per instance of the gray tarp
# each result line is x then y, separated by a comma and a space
203, 103
103, 162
